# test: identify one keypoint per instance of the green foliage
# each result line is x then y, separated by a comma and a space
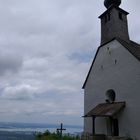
47, 133
53, 136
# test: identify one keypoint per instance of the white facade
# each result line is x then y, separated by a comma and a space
114, 68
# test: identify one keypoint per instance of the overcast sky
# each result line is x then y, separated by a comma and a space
46, 49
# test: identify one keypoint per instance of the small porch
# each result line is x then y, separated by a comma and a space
108, 111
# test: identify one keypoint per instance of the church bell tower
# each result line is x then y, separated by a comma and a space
114, 22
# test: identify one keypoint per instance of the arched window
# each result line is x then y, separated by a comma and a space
110, 95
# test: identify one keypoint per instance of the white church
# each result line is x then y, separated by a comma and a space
112, 86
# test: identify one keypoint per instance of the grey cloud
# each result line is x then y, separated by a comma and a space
9, 63
21, 92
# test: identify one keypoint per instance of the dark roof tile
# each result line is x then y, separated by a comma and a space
132, 47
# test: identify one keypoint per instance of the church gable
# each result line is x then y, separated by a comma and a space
132, 48
109, 55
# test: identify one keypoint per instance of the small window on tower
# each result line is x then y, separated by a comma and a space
120, 16
105, 19
108, 15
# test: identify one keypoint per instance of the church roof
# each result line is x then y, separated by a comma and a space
106, 109
132, 47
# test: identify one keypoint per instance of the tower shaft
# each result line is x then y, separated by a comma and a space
114, 25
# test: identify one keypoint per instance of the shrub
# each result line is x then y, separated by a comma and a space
53, 136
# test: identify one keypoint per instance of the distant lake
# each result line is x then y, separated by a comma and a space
35, 127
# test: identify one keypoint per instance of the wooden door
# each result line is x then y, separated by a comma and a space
115, 127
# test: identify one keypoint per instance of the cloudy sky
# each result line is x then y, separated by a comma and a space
46, 49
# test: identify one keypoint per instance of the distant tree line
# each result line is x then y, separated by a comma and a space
47, 135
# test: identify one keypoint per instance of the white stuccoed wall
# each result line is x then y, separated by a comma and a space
124, 78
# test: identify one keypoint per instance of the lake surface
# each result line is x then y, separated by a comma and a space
36, 127
25, 131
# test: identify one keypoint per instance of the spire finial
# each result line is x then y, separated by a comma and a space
110, 3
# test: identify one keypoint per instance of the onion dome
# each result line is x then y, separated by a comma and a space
110, 3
